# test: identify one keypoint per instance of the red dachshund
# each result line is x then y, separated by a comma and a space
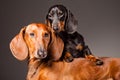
44, 49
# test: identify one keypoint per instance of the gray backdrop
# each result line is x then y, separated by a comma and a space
99, 23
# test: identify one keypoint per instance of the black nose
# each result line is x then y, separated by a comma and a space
42, 53
55, 28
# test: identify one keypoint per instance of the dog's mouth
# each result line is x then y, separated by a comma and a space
42, 53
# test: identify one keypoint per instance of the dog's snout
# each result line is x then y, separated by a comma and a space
55, 28
42, 53
55, 24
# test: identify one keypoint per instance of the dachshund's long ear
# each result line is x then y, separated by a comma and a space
71, 23
56, 47
18, 46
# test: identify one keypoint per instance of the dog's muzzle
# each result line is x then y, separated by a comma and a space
55, 24
55, 28
42, 53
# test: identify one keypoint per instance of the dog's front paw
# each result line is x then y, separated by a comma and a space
68, 59
99, 62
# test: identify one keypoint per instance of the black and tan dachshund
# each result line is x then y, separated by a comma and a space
64, 24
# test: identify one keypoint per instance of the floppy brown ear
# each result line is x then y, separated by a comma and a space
71, 23
18, 46
56, 47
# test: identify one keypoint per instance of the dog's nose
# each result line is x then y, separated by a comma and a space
55, 28
42, 53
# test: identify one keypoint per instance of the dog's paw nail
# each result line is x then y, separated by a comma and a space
99, 62
70, 59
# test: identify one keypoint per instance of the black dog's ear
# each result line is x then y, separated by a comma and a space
71, 23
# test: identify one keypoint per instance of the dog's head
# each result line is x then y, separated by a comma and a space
59, 18
36, 41
32, 40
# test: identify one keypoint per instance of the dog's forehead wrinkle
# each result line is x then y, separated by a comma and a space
39, 29
40, 32
31, 27
56, 9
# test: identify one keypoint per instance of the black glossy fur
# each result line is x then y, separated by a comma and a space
64, 24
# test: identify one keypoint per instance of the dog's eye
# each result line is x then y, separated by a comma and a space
60, 14
51, 14
46, 35
32, 34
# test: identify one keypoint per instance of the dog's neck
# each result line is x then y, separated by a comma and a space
33, 66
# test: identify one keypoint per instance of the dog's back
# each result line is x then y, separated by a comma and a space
25, 45
79, 69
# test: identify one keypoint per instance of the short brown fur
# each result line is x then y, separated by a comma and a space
54, 69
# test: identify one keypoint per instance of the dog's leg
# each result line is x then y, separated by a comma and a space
68, 57
91, 57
